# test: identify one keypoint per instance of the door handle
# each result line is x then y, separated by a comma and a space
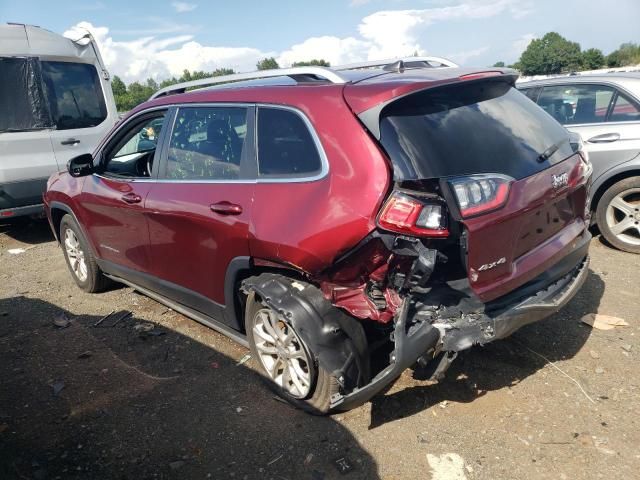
132, 198
226, 208
70, 141
605, 138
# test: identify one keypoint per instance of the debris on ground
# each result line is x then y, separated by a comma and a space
57, 387
603, 322
343, 465
594, 354
308, 459
85, 354
61, 321
271, 462
599, 370
176, 465
16, 251
104, 318
143, 327
626, 347
123, 315
243, 360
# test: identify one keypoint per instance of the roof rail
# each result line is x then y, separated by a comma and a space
390, 61
300, 73
297, 73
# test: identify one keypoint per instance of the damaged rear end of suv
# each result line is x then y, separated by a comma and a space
483, 230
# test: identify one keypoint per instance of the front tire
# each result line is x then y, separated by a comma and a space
80, 260
288, 365
618, 215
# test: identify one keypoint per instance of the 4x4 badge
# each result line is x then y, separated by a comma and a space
559, 181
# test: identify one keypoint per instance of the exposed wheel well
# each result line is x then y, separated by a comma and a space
240, 298
608, 183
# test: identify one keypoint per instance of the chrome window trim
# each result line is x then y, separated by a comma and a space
324, 162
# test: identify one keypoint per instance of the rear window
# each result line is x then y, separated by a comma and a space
74, 93
469, 128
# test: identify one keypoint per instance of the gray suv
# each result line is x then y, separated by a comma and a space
605, 111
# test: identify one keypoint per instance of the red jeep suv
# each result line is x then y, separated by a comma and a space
344, 223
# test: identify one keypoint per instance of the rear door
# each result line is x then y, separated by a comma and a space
199, 212
516, 185
81, 106
607, 119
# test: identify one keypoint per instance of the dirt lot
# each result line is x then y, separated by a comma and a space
156, 395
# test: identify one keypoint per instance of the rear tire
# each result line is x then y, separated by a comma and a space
618, 215
318, 385
79, 257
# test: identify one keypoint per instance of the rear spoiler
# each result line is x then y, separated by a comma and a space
371, 117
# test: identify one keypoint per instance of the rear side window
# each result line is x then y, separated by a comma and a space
207, 143
74, 94
22, 105
575, 104
469, 128
285, 145
624, 111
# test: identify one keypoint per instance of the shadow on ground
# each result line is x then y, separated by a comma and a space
500, 364
27, 230
129, 399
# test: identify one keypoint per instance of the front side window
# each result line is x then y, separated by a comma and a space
134, 152
285, 145
207, 143
624, 111
74, 94
575, 104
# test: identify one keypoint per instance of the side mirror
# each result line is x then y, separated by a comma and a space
80, 166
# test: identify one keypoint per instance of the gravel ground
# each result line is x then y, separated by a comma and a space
156, 395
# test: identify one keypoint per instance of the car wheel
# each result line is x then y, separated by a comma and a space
288, 365
80, 260
618, 215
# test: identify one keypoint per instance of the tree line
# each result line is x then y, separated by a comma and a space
553, 54
129, 96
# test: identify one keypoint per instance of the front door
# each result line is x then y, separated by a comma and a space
113, 199
199, 211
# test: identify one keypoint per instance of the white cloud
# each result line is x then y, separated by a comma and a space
182, 7
332, 49
162, 58
165, 48
462, 58
521, 44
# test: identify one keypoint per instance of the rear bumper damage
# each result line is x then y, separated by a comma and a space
422, 330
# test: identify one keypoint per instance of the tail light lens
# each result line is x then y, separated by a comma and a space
479, 194
405, 214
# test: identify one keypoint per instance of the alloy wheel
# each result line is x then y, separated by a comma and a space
623, 216
75, 254
282, 354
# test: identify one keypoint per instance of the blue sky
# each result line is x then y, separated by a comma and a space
158, 39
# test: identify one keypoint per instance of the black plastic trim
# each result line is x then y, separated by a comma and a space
22, 193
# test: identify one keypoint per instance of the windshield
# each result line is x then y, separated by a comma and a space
463, 129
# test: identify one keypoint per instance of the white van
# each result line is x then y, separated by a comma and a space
55, 103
